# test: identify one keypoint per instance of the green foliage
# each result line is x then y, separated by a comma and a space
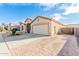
13, 31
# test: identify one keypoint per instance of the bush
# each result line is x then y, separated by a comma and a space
13, 31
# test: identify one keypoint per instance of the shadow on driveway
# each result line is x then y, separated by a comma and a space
21, 37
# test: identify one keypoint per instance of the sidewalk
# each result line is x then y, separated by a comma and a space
4, 51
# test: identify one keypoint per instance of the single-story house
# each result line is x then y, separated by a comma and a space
23, 26
13, 25
45, 26
26, 22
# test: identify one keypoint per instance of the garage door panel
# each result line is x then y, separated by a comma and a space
40, 29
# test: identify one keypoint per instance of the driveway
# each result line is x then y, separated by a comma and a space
34, 45
48, 46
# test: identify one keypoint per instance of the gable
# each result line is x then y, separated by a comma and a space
40, 20
28, 21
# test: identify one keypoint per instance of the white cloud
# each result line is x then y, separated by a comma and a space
47, 6
74, 8
64, 5
57, 16
68, 8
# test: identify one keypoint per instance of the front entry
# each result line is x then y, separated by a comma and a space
28, 28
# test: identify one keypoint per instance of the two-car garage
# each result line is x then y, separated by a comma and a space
41, 29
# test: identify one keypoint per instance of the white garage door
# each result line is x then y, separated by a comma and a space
40, 29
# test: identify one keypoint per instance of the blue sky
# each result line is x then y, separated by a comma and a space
64, 12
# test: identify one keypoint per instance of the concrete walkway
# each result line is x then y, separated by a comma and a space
4, 51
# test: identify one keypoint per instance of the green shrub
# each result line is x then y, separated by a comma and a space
13, 31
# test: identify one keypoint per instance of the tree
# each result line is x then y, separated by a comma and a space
3, 27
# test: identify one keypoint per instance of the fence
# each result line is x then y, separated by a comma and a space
67, 30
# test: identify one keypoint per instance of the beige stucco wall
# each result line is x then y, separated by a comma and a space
40, 21
53, 27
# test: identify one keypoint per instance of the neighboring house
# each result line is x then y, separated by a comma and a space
45, 26
13, 25
17, 26
21, 26
9, 26
27, 21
